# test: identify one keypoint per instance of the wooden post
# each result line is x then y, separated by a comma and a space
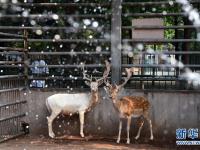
116, 41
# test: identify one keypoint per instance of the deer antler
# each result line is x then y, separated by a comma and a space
129, 74
85, 76
105, 74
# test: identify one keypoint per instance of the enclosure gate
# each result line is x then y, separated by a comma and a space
12, 97
11, 107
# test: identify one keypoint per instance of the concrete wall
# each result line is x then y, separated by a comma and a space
169, 112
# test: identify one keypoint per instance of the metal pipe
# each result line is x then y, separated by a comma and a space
160, 40
12, 89
69, 53
16, 116
58, 41
154, 3
42, 16
12, 49
160, 27
11, 77
152, 14
56, 4
51, 28
13, 103
12, 35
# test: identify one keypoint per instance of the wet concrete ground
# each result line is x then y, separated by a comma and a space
44, 143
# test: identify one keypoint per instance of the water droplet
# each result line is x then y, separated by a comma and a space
171, 3
87, 22
164, 12
38, 32
57, 37
90, 36
55, 16
25, 13
33, 22
95, 24
130, 54
140, 47
98, 49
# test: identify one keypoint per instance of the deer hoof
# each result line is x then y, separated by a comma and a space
151, 138
128, 141
52, 135
137, 137
118, 141
82, 135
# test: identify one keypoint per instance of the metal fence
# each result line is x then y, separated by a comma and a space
83, 32
181, 45
12, 84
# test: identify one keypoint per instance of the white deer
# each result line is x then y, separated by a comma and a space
73, 103
129, 106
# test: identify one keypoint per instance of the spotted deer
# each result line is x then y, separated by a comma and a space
72, 103
129, 106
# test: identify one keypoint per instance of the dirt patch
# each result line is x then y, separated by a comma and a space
43, 143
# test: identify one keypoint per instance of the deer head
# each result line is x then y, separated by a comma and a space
113, 90
95, 84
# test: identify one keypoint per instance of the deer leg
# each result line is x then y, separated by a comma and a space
150, 125
120, 128
151, 130
128, 129
81, 117
50, 120
140, 128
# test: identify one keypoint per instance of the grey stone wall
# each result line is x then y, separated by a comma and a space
170, 110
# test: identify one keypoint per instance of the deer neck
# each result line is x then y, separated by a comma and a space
116, 102
93, 99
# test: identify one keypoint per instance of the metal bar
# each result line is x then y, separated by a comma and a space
51, 28
102, 40
11, 137
11, 53
16, 116
69, 53
92, 66
12, 49
57, 41
13, 89
12, 35
152, 14
159, 66
160, 40
42, 16
155, 79
166, 52
55, 77
57, 4
160, 27
15, 103
11, 76
26, 61
154, 3
116, 35
69, 66
10, 62
11, 66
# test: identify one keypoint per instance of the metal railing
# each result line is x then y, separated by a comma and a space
12, 84
64, 55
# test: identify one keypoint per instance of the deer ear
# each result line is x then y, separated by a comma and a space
87, 83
